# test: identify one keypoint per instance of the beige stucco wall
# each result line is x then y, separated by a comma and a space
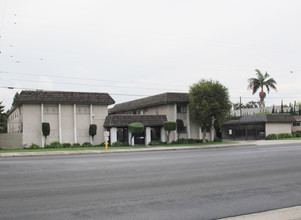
168, 110
297, 127
32, 125
171, 113
53, 119
100, 114
82, 125
277, 128
67, 123
11, 141
14, 122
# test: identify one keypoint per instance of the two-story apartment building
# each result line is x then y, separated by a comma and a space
171, 105
69, 114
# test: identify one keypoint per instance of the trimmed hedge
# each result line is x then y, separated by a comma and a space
87, 144
187, 141
284, 135
75, 145
117, 144
279, 136
66, 145
298, 134
55, 144
271, 137
154, 143
34, 146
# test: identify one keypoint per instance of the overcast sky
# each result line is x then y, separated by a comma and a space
137, 48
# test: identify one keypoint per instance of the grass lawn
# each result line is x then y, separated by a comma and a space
294, 138
103, 148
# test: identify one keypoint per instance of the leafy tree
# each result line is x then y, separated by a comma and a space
259, 83
291, 111
15, 97
180, 126
169, 126
136, 129
3, 119
209, 101
92, 130
238, 105
252, 104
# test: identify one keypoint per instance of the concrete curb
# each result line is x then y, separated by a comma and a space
292, 213
76, 152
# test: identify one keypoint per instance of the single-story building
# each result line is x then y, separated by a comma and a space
253, 127
297, 123
68, 113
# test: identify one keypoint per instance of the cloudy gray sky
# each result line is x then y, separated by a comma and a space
136, 48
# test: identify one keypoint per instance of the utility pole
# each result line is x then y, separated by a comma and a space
240, 106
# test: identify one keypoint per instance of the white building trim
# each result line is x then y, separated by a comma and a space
60, 123
175, 120
42, 120
148, 135
163, 134
188, 123
113, 134
91, 121
74, 123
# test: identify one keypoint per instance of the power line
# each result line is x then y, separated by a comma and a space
22, 88
88, 79
84, 84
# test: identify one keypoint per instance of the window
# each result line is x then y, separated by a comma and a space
181, 109
83, 109
50, 109
296, 124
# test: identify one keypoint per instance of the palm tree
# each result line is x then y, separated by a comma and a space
259, 83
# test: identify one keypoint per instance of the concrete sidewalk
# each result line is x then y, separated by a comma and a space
75, 152
292, 213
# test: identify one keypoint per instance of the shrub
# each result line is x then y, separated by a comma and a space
55, 144
187, 141
75, 145
136, 128
45, 128
154, 143
271, 137
66, 145
92, 130
298, 133
284, 135
87, 144
117, 144
34, 146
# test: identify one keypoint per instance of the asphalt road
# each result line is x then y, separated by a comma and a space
183, 184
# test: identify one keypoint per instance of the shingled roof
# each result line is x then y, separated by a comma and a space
263, 118
54, 97
123, 120
268, 118
161, 99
